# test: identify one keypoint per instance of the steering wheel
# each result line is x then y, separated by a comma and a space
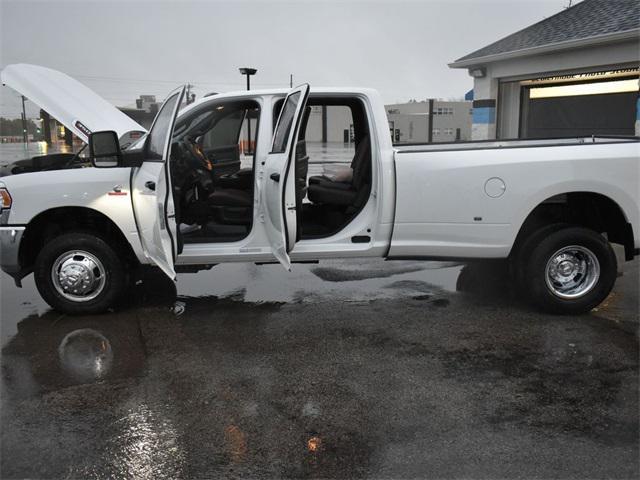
197, 153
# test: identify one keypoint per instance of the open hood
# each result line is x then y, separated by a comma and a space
71, 103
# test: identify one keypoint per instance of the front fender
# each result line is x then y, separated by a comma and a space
105, 190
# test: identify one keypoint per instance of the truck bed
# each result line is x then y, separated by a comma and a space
470, 199
512, 143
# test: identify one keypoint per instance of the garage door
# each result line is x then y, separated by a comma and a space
579, 109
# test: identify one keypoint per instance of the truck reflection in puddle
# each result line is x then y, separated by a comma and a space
85, 355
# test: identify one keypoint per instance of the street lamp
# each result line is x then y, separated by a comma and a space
248, 72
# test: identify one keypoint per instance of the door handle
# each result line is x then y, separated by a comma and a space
150, 185
275, 177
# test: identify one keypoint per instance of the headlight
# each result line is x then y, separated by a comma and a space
5, 199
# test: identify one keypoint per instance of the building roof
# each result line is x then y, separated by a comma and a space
585, 20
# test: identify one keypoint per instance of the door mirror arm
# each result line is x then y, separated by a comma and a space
132, 159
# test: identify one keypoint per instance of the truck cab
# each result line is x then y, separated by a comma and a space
184, 197
272, 208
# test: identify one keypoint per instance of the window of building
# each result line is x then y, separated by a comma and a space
436, 131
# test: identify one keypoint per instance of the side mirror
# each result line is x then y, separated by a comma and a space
104, 149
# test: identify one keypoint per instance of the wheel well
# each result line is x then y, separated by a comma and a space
587, 209
51, 223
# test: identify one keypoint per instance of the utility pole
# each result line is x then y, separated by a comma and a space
46, 126
291, 80
430, 131
324, 124
25, 132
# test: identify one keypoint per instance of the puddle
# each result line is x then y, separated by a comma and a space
358, 280
353, 280
53, 351
17, 304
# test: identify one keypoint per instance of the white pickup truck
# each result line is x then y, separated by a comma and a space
178, 199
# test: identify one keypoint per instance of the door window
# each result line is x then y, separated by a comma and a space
225, 132
285, 123
160, 130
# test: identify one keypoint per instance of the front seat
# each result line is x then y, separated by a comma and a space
234, 206
351, 193
231, 206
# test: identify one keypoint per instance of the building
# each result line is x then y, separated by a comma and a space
145, 111
572, 74
148, 103
330, 124
409, 122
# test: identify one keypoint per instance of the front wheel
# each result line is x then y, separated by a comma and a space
570, 271
80, 273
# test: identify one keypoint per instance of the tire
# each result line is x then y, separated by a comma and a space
569, 270
91, 277
519, 261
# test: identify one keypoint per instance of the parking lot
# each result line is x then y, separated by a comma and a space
337, 370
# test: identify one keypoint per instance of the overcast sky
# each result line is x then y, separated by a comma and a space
122, 49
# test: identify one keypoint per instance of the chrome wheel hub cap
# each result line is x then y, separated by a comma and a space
572, 272
78, 276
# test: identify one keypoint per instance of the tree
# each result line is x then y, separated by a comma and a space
13, 127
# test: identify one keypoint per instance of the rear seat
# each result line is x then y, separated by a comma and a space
350, 192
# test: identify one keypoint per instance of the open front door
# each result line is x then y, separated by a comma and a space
151, 187
279, 192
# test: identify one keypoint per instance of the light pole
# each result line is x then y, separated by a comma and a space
248, 72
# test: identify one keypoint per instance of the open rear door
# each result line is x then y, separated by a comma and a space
279, 188
151, 187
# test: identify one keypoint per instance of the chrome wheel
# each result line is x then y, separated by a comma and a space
572, 272
78, 276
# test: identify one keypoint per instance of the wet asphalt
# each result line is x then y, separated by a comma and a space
338, 370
